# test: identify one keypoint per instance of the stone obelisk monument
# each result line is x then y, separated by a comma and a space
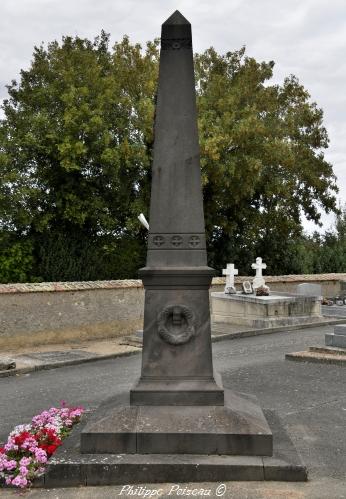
179, 424
177, 406
176, 361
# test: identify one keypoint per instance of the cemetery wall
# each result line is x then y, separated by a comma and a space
37, 314
44, 313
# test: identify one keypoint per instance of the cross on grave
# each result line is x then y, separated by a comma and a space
229, 272
258, 266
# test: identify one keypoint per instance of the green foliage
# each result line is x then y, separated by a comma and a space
318, 253
16, 259
74, 156
75, 153
330, 249
262, 160
74, 140
76, 257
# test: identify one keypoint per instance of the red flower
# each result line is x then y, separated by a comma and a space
51, 449
48, 440
20, 439
2, 450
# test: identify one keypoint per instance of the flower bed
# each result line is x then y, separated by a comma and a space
28, 447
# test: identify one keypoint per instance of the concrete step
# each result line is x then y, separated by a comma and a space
328, 350
319, 357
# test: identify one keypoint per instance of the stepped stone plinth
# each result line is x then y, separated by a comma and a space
236, 428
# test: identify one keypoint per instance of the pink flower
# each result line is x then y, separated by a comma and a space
33, 444
40, 455
23, 470
25, 461
10, 446
29, 443
19, 481
11, 465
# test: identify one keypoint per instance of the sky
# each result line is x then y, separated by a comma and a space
306, 38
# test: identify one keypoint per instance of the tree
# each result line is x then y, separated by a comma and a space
75, 153
331, 254
262, 159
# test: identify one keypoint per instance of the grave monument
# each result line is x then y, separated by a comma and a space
230, 271
334, 351
261, 311
309, 289
258, 280
179, 423
337, 338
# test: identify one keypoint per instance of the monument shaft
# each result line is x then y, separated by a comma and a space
176, 360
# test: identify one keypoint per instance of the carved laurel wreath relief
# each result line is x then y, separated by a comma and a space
176, 324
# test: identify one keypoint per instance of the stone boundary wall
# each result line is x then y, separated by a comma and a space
57, 312
275, 282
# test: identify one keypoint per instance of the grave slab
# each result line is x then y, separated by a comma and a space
340, 330
335, 340
279, 309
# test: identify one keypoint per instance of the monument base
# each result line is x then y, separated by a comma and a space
338, 338
335, 340
70, 468
239, 428
279, 309
196, 392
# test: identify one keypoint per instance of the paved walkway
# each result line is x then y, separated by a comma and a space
50, 356
310, 400
59, 355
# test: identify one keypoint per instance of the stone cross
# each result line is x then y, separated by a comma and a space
258, 266
229, 272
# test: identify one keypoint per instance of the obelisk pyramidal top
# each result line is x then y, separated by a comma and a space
177, 366
177, 235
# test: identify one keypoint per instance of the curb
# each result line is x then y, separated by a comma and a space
317, 359
65, 363
278, 329
214, 338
